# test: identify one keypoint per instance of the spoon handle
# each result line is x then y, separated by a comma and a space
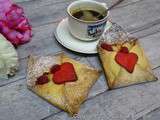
115, 4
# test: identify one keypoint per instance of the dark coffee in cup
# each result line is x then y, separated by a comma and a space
87, 19
88, 15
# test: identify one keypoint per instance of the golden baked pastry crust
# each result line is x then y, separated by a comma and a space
68, 96
77, 92
116, 75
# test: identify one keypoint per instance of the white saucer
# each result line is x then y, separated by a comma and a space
67, 40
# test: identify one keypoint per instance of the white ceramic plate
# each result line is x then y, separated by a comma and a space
64, 37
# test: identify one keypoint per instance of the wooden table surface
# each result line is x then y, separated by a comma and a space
139, 17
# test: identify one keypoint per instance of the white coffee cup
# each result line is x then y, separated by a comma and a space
87, 30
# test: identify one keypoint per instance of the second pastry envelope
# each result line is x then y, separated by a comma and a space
125, 63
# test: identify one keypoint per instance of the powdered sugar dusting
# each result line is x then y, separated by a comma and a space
41, 65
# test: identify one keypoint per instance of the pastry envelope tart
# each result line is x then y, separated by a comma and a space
125, 63
68, 96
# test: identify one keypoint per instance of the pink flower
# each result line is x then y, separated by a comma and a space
13, 24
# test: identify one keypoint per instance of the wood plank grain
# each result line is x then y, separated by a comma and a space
41, 3
46, 32
153, 115
101, 85
43, 35
44, 43
18, 1
136, 15
18, 103
44, 40
146, 30
121, 104
41, 12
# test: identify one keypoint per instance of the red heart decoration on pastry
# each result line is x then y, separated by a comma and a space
124, 50
66, 73
42, 80
127, 60
55, 68
106, 47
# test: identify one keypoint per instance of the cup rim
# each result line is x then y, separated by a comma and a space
69, 13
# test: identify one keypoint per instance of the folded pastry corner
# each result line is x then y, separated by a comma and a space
62, 81
77, 92
125, 63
